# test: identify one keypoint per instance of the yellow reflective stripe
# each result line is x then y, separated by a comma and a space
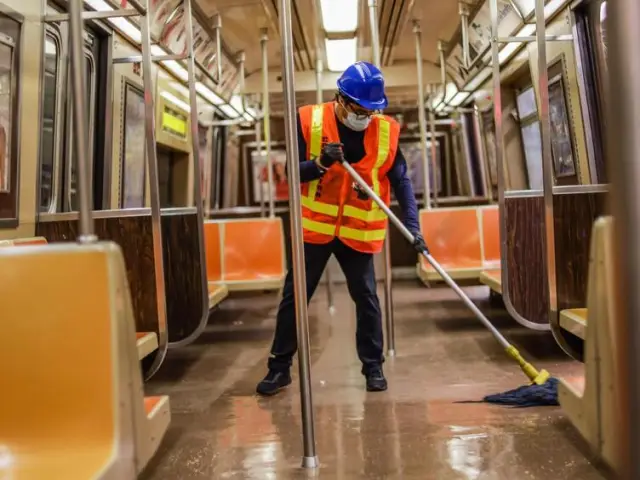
320, 207
360, 214
315, 148
375, 214
362, 235
315, 145
384, 135
318, 227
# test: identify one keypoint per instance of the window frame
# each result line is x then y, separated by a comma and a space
126, 86
13, 218
54, 33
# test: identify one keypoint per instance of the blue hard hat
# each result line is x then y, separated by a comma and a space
363, 84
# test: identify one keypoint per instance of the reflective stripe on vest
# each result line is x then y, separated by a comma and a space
315, 149
375, 214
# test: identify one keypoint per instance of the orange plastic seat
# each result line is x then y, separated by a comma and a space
147, 342
213, 250
453, 237
490, 227
77, 408
251, 256
18, 242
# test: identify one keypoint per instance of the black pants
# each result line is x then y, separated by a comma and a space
361, 282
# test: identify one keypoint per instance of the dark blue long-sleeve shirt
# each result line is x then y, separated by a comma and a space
353, 147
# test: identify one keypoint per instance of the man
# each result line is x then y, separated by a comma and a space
339, 219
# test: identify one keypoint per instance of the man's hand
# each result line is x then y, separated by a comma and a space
419, 244
331, 153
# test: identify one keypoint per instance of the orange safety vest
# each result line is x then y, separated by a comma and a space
330, 205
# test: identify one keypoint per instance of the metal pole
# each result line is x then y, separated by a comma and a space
198, 170
217, 25
623, 148
267, 117
388, 292
434, 155
375, 40
421, 117
154, 192
464, 16
327, 270
260, 159
547, 165
309, 459
443, 69
81, 137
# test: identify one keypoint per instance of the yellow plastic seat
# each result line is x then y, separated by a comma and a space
76, 408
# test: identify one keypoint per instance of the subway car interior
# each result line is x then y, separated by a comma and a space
153, 217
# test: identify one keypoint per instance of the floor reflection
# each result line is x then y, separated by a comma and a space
416, 430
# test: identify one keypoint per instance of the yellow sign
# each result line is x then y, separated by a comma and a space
174, 123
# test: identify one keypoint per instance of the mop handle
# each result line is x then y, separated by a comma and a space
409, 236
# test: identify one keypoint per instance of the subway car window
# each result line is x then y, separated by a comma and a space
71, 199
9, 41
132, 157
531, 139
48, 150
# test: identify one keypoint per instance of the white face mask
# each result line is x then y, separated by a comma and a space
356, 122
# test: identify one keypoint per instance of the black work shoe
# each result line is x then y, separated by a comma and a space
274, 382
375, 380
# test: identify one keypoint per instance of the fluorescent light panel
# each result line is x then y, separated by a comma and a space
340, 53
451, 91
339, 15
229, 111
459, 99
207, 93
172, 98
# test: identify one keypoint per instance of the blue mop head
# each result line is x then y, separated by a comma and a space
528, 395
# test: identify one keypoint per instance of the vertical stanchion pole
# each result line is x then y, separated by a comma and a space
464, 17
217, 26
327, 270
434, 155
388, 292
81, 138
422, 122
154, 192
267, 118
197, 170
623, 143
547, 160
309, 459
260, 160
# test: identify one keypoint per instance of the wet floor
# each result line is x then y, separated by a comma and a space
415, 430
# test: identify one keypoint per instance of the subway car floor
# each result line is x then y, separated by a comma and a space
416, 430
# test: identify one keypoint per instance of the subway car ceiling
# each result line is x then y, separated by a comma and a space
233, 41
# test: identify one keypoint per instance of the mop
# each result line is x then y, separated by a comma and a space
543, 389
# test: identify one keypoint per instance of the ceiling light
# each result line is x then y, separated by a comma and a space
478, 80
229, 111
339, 15
122, 24
207, 93
459, 99
525, 6
510, 48
177, 69
451, 91
175, 100
340, 53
